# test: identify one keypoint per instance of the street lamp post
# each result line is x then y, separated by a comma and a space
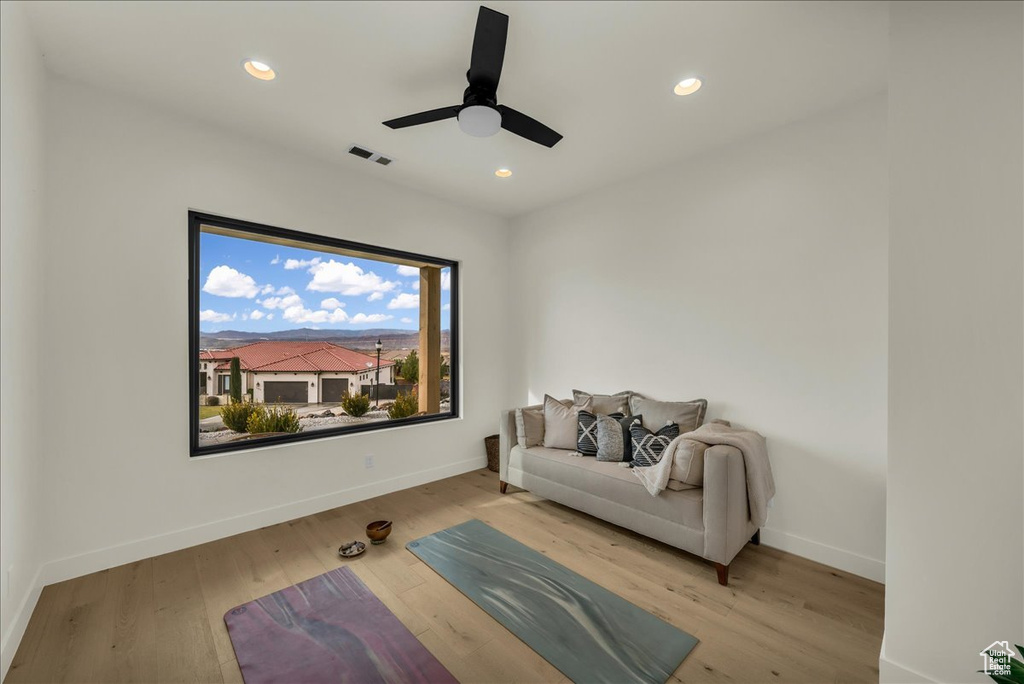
376, 399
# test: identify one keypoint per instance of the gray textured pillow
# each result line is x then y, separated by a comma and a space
560, 423
688, 415
613, 440
603, 404
530, 427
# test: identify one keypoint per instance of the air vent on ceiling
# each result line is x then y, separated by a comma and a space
360, 152
364, 153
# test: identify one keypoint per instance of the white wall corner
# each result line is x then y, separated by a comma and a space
12, 639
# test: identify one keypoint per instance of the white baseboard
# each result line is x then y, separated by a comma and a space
129, 552
894, 673
862, 566
12, 638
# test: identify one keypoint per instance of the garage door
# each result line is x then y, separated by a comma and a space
333, 388
288, 392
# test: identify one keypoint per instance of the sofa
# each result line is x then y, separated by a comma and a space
711, 521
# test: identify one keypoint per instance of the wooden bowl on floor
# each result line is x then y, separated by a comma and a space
378, 531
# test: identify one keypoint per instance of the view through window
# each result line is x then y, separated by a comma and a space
297, 336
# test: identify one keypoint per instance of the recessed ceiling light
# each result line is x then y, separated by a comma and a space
688, 86
503, 173
260, 70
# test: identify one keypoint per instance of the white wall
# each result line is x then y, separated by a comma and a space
121, 178
753, 276
955, 571
21, 232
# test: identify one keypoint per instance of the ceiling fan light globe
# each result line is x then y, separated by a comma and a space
479, 121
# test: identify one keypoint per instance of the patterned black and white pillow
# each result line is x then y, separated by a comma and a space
586, 432
649, 446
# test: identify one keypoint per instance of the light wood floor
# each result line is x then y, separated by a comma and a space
782, 618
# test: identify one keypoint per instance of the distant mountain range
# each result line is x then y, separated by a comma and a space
391, 338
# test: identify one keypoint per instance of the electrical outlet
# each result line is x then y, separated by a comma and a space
368, 461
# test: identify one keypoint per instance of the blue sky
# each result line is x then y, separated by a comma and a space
261, 287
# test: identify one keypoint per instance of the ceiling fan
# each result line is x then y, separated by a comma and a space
480, 114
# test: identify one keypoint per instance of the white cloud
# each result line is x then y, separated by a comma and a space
406, 319
416, 286
347, 279
446, 307
300, 314
280, 302
225, 281
211, 316
406, 300
270, 316
245, 316
267, 289
375, 297
257, 315
372, 318
276, 260
285, 290
293, 264
408, 271
332, 303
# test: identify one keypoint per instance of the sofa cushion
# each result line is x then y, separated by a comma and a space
530, 427
609, 481
586, 431
603, 404
560, 423
613, 440
688, 463
648, 446
688, 415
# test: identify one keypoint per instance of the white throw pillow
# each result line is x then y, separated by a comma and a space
604, 404
560, 423
688, 463
530, 426
688, 415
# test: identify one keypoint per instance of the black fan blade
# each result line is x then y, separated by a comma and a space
488, 48
531, 129
423, 117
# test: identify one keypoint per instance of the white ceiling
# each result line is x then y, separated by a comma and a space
600, 73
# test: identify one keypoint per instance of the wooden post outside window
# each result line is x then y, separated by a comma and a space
430, 340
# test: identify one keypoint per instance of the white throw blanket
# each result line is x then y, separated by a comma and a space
760, 483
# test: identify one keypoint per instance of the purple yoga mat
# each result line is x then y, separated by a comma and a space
328, 629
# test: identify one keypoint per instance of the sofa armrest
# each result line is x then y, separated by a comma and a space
727, 526
506, 440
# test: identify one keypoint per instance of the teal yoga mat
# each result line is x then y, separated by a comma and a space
584, 630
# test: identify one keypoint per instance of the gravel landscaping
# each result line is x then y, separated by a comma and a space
312, 421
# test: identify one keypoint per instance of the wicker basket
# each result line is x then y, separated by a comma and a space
491, 444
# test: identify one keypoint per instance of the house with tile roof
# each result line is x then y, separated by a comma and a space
292, 372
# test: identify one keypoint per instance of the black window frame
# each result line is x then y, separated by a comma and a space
196, 220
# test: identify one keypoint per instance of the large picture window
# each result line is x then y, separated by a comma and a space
296, 336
